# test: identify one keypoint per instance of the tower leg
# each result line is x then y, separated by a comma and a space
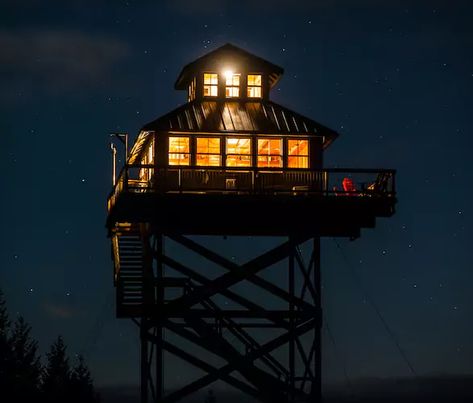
317, 383
144, 373
291, 287
159, 324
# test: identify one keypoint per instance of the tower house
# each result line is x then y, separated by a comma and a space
231, 162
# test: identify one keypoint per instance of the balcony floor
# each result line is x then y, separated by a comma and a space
311, 214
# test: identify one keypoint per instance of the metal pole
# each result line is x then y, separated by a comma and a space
144, 361
114, 163
159, 323
317, 384
291, 323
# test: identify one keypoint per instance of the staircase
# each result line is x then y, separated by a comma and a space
129, 269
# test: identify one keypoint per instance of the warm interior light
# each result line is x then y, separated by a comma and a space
228, 74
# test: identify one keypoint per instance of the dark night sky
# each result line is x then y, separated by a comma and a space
395, 78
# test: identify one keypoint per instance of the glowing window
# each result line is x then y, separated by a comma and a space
254, 86
147, 158
208, 152
210, 85
238, 151
191, 95
269, 153
232, 82
298, 153
179, 151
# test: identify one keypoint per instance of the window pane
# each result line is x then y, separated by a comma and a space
298, 153
232, 92
298, 162
208, 145
254, 79
238, 152
254, 92
238, 161
210, 78
233, 79
208, 151
210, 84
270, 153
179, 151
238, 146
209, 160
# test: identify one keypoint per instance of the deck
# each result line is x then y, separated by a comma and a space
194, 201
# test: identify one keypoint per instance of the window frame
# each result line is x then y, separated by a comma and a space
253, 86
268, 156
208, 154
249, 155
210, 84
233, 86
188, 153
192, 90
298, 156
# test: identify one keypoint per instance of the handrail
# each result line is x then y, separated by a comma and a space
147, 178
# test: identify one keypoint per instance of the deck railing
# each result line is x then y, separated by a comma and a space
327, 182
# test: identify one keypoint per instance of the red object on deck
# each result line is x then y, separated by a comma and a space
348, 185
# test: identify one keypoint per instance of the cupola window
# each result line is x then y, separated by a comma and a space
298, 153
210, 85
191, 95
232, 82
254, 86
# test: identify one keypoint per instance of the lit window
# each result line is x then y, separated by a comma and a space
191, 95
210, 84
298, 153
208, 152
254, 86
179, 151
232, 82
270, 153
148, 158
238, 151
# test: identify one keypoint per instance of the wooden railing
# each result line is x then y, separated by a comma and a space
138, 179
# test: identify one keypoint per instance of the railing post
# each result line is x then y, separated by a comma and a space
125, 178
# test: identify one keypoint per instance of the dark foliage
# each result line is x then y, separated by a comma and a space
82, 387
23, 379
26, 362
6, 351
57, 374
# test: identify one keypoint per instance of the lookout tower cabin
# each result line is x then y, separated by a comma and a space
231, 161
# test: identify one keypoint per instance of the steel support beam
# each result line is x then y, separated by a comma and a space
197, 317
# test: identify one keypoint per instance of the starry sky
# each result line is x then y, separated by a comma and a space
394, 78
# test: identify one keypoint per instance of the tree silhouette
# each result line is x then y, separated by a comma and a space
57, 374
22, 378
82, 387
6, 354
26, 362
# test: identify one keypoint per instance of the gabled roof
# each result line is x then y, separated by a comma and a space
259, 117
221, 57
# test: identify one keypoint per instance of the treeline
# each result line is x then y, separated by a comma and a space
23, 377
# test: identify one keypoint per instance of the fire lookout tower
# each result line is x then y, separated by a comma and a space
230, 162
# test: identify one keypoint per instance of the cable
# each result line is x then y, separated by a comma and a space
337, 352
370, 300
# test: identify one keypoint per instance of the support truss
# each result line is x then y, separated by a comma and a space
197, 316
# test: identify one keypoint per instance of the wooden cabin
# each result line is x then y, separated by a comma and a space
229, 139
